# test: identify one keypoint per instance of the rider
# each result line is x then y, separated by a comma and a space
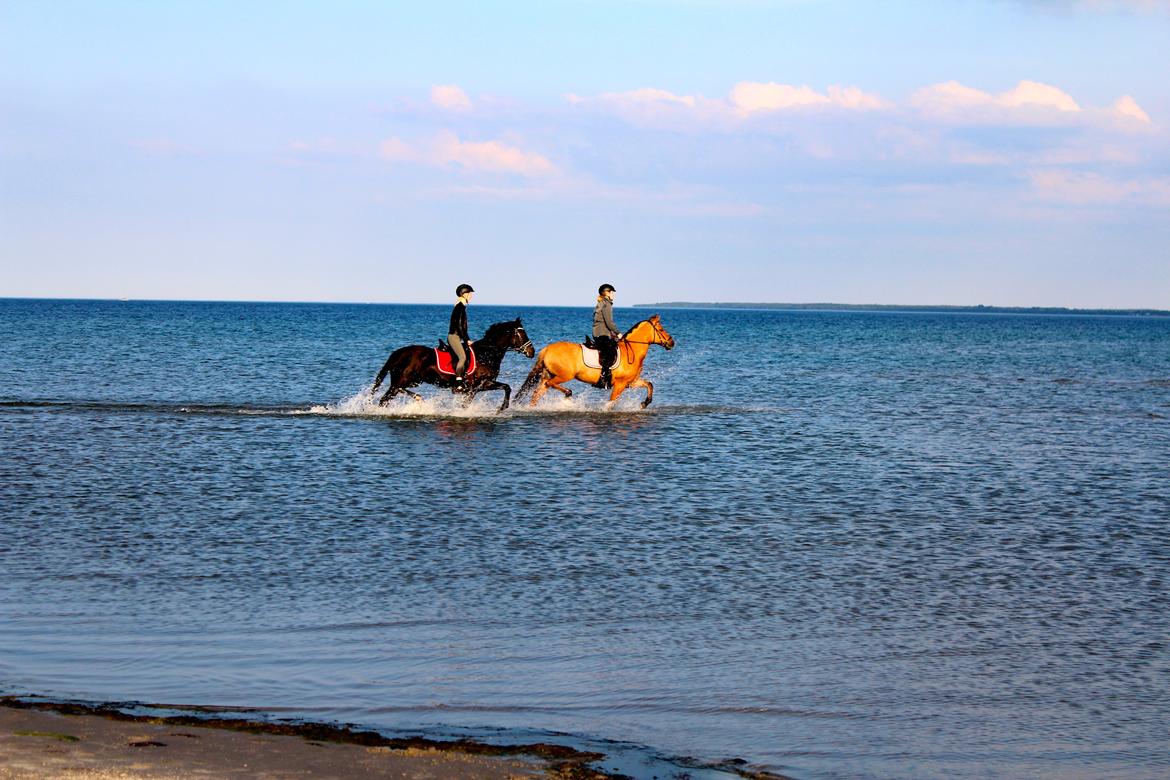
605, 334
457, 336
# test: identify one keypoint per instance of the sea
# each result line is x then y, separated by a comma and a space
838, 544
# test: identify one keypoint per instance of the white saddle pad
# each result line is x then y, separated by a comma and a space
591, 358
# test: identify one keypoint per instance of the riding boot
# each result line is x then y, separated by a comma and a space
605, 381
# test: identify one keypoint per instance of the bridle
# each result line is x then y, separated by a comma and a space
528, 342
657, 332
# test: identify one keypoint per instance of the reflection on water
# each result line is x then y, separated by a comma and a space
896, 546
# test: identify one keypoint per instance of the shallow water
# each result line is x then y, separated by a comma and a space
866, 545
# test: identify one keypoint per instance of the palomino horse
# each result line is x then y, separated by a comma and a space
561, 361
411, 365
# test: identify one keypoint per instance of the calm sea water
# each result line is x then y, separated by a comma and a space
838, 545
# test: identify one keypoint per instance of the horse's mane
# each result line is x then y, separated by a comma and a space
495, 328
633, 327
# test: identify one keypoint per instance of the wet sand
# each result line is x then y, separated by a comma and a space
77, 742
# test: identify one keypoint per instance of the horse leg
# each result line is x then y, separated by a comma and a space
540, 390
389, 394
649, 390
566, 390
493, 385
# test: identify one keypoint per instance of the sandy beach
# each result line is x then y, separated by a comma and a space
73, 742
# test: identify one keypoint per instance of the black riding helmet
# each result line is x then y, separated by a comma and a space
602, 289
463, 288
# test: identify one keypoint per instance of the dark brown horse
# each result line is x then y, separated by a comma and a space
409, 366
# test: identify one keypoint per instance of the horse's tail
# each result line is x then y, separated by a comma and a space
534, 376
386, 369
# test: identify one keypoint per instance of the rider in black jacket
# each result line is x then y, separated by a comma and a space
457, 337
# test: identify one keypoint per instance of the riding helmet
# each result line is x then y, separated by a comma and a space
463, 288
601, 290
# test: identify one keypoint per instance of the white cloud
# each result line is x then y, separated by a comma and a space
1126, 107
749, 96
446, 150
675, 199
1033, 93
648, 106
639, 97
1027, 101
1107, 6
854, 98
752, 96
450, 97
1087, 188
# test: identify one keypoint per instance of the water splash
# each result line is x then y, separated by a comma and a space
364, 403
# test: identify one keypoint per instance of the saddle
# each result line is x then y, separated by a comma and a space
592, 358
445, 359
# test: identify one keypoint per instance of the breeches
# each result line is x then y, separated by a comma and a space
456, 344
606, 350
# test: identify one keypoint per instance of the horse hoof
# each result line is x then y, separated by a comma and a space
645, 403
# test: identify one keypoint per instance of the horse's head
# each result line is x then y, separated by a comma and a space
520, 341
509, 335
660, 335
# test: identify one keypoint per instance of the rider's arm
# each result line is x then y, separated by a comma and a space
607, 316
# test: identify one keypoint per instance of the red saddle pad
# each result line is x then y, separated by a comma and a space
446, 362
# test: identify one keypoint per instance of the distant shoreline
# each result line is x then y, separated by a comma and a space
904, 308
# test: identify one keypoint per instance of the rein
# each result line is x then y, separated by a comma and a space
628, 342
657, 332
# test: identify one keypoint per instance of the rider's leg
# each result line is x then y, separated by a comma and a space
456, 345
605, 355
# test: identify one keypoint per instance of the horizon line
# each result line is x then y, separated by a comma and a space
665, 304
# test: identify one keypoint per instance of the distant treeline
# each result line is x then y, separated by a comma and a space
893, 307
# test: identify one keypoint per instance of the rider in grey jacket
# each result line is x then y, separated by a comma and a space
605, 334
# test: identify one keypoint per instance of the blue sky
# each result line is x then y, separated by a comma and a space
1002, 152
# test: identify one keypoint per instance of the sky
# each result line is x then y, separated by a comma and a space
996, 152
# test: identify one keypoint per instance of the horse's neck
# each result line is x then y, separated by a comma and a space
638, 343
491, 351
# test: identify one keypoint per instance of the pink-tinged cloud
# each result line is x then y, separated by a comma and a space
450, 97
446, 150
1028, 99
854, 98
658, 107
638, 97
749, 96
1126, 107
1085, 188
1033, 93
1140, 6
752, 96
648, 106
